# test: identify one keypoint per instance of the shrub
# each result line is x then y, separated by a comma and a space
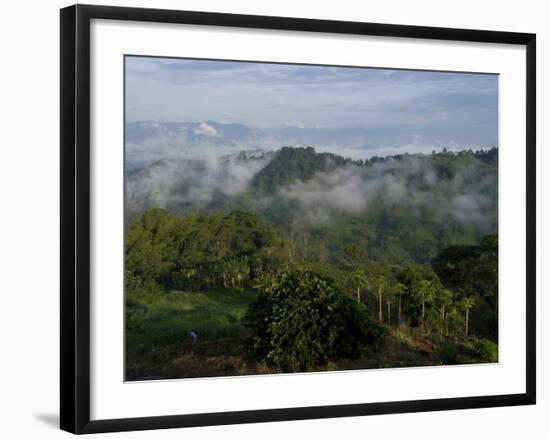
448, 354
301, 321
486, 350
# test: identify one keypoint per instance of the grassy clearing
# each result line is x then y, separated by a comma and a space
157, 329
158, 346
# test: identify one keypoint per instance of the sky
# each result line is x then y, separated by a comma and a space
395, 108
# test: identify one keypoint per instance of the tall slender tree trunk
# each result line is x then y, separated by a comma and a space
389, 312
441, 321
423, 313
380, 303
467, 318
399, 312
358, 295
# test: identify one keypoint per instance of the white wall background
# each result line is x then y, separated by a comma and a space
29, 206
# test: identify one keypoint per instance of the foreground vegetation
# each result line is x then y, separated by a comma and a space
258, 305
158, 345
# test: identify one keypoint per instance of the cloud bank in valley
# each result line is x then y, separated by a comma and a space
196, 181
411, 183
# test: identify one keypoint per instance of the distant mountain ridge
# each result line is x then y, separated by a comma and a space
222, 132
148, 141
214, 132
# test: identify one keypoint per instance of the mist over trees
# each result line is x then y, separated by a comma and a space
406, 207
294, 260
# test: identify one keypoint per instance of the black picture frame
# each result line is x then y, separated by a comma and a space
75, 217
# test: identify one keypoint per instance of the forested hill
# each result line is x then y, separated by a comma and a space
296, 164
292, 164
397, 209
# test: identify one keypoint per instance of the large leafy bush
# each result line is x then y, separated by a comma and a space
301, 321
486, 351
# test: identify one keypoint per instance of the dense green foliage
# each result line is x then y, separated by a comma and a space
486, 350
293, 164
415, 205
302, 321
201, 251
448, 353
472, 273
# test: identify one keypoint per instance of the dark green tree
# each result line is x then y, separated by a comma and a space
301, 321
472, 271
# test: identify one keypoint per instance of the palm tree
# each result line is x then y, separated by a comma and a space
444, 298
467, 303
425, 291
399, 288
358, 280
381, 282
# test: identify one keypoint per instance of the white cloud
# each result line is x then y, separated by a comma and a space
205, 129
295, 124
457, 107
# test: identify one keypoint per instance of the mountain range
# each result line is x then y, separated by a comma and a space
148, 141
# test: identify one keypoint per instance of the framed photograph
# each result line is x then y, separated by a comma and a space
268, 219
